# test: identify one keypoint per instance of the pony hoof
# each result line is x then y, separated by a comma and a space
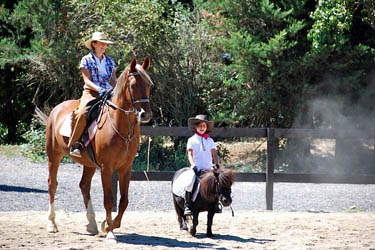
111, 237
193, 232
52, 228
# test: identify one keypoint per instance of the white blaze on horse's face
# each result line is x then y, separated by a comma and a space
139, 89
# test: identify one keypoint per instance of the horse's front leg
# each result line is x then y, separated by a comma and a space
108, 202
210, 218
124, 174
85, 186
193, 229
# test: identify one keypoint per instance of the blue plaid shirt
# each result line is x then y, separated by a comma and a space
98, 78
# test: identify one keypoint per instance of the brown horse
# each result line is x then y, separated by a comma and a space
115, 144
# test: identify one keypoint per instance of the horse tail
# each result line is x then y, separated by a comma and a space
42, 117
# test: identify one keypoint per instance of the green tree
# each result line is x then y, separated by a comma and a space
267, 42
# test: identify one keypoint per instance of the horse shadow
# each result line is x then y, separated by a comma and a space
138, 239
151, 241
7, 188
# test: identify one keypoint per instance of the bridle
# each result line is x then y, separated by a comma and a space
127, 112
141, 100
220, 192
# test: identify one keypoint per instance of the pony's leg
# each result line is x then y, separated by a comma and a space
193, 229
53, 167
85, 185
210, 218
124, 175
180, 213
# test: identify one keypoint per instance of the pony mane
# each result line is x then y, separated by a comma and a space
118, 90
208, 183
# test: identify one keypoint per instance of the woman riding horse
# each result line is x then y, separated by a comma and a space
115, 144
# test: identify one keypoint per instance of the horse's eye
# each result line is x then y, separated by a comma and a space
132, 86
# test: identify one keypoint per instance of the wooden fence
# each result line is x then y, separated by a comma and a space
272, 134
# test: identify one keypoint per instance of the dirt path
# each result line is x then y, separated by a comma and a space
159, 230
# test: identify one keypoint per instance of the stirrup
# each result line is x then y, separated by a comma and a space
75, 149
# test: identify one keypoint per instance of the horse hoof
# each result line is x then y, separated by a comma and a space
92, 228
103, 227
111, 237
193, 232
52, 228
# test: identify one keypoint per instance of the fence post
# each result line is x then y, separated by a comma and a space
271, 147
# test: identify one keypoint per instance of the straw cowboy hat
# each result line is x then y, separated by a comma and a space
97, 36
198, 119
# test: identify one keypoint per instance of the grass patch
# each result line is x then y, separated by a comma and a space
11, 150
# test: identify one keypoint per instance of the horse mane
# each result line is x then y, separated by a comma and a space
118, 90
208, 182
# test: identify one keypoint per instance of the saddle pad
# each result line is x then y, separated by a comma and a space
66, 128
92, 130
181, 183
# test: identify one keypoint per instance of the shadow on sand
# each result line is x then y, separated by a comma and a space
7, 188
137, 239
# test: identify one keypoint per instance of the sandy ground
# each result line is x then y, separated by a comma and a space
159, 230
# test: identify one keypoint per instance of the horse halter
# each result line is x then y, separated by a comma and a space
220, 191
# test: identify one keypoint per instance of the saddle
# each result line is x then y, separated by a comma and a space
94, 120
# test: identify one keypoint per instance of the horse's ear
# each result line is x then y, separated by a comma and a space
133, 63
146, 63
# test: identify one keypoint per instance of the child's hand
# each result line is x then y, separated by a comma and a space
195, 169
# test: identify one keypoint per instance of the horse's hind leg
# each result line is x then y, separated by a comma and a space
85, 186
53, 167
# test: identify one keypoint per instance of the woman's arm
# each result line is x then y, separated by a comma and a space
87, 80
113, 79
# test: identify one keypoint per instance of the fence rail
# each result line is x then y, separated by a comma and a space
272, 134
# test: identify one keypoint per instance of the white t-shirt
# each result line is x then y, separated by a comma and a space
201, 151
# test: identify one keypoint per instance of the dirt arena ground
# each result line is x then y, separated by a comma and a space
159, 230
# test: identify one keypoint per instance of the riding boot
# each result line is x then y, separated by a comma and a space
188, 204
